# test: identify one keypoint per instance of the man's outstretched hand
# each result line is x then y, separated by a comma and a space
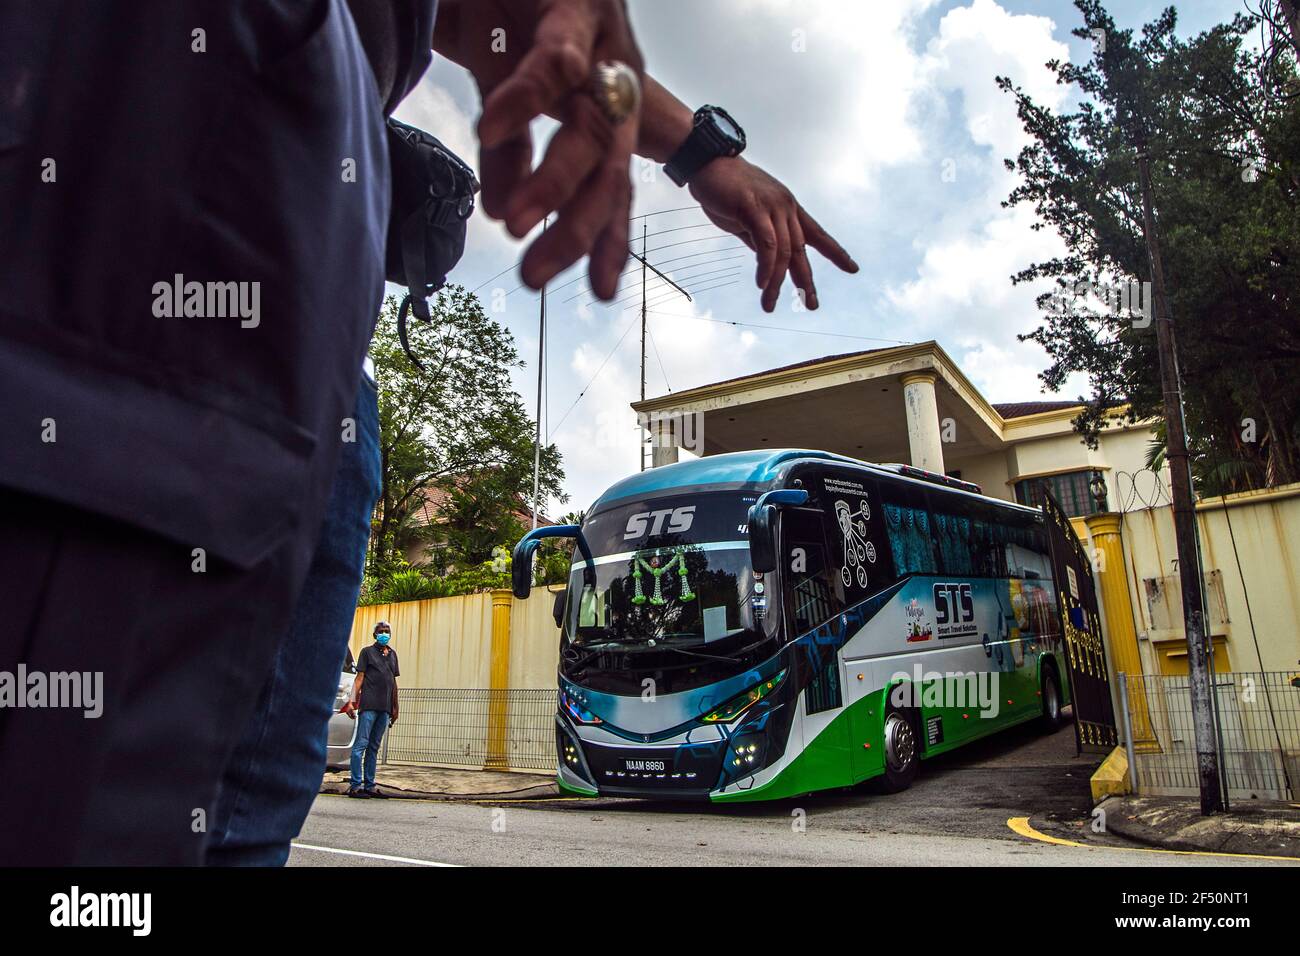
545, 67
550, 50
747, 202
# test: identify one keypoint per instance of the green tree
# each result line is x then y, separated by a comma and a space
456, 426
1218, 117
480, 516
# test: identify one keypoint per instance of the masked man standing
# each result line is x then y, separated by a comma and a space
374, 695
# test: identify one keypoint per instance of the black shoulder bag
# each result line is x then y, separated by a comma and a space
433, 198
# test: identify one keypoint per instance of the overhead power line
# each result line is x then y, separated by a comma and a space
647, 215
779, 328
600, 368
635, 268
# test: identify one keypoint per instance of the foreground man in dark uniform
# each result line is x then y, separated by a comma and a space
187, 283
193, 206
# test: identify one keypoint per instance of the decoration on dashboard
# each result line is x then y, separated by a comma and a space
656, 567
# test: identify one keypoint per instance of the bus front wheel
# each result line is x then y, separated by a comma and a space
902, 751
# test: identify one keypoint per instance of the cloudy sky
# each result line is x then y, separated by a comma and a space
882, 116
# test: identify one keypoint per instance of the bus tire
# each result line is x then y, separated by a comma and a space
902, 747
1051, 721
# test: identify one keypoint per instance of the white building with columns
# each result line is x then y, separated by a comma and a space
910, 404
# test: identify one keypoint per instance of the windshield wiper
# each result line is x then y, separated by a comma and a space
612, 647
682, 650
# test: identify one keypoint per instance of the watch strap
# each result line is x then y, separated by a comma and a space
692, 156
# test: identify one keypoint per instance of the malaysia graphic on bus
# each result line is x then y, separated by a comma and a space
760, 625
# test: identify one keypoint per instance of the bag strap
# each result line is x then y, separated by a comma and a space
414, 262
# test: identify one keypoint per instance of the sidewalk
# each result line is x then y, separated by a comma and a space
441, 783
1264, 828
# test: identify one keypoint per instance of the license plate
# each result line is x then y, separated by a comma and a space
644, 765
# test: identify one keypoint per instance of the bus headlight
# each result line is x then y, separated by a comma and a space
577, 713
732, 709
570, 751
748, 754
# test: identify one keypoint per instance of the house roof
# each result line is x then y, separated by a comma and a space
435, 498
820, 360
1022, 409
1007, 410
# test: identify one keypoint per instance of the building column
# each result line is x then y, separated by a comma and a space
1111, 575
499, 680
663, 443
922, 408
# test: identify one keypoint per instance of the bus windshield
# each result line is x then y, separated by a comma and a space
670, 572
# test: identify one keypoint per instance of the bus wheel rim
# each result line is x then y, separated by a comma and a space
1053, 702
900, 742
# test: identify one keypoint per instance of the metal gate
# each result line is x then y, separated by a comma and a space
1076, 600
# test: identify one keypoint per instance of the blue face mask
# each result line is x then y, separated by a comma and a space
383, 639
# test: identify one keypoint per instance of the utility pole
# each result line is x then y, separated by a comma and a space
646, 266
1189, 565
644, 239
541, 366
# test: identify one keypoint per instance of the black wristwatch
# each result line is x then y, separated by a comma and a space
715, 134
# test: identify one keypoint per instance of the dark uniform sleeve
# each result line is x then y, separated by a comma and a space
396, 672
363, 660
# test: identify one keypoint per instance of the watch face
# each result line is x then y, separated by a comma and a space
726, 127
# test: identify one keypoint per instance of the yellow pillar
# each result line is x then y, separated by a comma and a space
1104, 529
499, 679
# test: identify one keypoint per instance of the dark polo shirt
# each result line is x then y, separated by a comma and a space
145, 143
381, 672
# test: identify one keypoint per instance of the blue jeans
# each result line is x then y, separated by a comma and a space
371, 725
275, 772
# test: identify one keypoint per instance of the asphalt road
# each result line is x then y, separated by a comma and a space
955, 814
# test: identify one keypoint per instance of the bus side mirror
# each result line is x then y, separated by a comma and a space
762, 526
521, 559
762, 539
558, 610
521, 568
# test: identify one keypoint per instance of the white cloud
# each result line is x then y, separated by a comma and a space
961, 291
599, 437
824, 88
963, 282
984, 40
1009, 372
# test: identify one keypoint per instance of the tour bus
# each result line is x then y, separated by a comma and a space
764, 624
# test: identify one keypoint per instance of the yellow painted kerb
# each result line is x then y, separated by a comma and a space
1020, 825
1111, 778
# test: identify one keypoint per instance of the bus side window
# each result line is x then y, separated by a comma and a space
967, 533
1026, 553
911, 538
811, 598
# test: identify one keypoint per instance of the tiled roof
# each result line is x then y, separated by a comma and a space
1021, 409
435, 498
